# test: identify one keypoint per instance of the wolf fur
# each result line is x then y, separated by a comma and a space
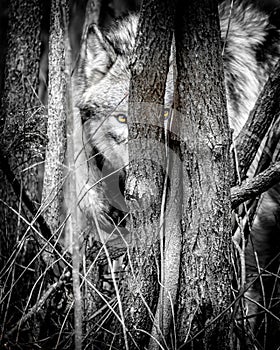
251, 49
102, 80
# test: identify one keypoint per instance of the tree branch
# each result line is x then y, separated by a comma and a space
255, 186
258, 123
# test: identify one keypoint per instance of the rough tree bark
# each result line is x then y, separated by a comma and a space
60, 119
261, 118
262, 250
252, 188
147, 169
20, 122
205, 267
57, 107
21, 142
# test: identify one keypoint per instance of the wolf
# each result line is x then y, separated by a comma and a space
251, 49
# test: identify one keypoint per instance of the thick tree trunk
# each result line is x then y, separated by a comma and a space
147, 170
205, 268
20, 118
22, 146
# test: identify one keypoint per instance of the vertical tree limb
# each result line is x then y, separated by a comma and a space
147, 169
251, 135
60, 111
57, 106
22, 142
21, 124
205, 269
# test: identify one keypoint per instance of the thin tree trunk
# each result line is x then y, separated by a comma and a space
60, 111
57, 107
261, 118
205, 268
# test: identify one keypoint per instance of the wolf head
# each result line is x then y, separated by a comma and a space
250, 50
102, 82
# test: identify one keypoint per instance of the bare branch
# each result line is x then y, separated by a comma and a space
259, 121
255, 186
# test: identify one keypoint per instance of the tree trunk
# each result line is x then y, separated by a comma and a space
57, 107
22, 146
147, 169
60, 118
20, 118
203, 321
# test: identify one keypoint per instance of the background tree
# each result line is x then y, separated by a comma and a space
26, 307
22, 139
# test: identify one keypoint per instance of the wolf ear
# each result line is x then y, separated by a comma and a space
100, 50
96, 57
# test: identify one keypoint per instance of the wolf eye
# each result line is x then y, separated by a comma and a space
166, 113
122, 118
